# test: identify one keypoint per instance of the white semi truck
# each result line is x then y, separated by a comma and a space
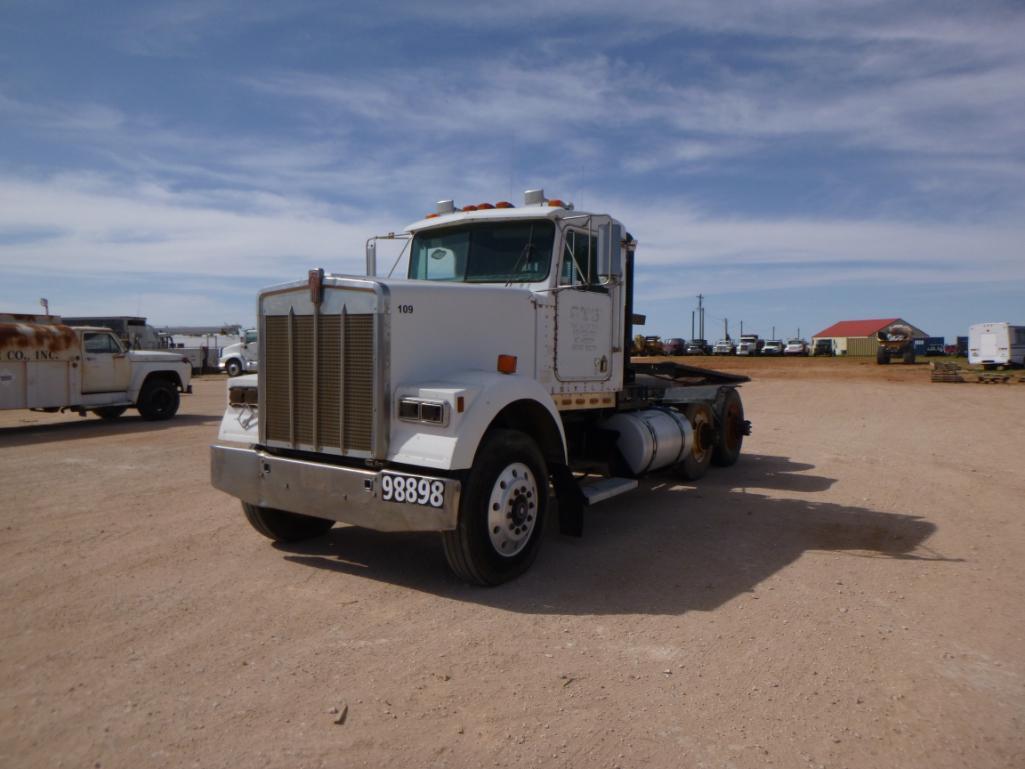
46, 365
241, 357
456, 399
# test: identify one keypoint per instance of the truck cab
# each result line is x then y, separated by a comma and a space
241, 357
452, 399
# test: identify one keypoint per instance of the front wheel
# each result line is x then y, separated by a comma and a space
501, 511
158, 400
882, 356
234, 368
282, 526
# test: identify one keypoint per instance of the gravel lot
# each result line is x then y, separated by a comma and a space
851, 594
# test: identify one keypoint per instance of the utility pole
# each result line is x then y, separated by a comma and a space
742, 328
726, 329
692, 324
701, 317
773, 333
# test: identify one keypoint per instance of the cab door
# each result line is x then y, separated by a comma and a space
105, 366
584, 319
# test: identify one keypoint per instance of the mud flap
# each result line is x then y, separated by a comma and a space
571, 501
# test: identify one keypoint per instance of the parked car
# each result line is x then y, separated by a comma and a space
823, 347
674, 346
698, 347
724, 347
796, 347
773, 347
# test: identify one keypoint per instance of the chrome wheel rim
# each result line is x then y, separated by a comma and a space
512, 509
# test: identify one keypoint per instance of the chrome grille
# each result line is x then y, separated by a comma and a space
323, 401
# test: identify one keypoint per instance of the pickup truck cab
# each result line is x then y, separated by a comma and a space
724, 347
48, 366
773, 347
796, 347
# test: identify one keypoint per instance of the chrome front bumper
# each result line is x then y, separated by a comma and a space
344, 494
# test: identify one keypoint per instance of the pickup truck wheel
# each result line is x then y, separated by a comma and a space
695, 464
882, 356
158, 400
282, 526
909, 355
110, 412
730, 435
501, 511
233, 367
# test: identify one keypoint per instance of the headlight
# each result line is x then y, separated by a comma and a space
242, 396
419, 410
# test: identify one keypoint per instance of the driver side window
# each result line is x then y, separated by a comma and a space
101, 343
579, 260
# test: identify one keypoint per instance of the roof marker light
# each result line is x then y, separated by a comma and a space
484, 206
504, 204
556, 203
469, 208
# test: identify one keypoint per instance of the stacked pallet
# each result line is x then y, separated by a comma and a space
952, 372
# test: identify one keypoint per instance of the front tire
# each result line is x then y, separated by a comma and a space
882, 356
282, 526
909, 355
158, 400
501, 511
233, 367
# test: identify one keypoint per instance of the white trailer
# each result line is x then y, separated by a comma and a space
455, 399
46, 365
996, 344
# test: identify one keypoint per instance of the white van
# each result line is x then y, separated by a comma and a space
996, 344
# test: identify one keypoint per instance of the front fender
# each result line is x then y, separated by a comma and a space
453, 446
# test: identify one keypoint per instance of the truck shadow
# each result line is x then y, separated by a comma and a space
666, 548
93, 427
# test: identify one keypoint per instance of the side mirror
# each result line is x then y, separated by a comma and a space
610, 253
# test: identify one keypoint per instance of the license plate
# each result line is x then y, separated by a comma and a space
412, 490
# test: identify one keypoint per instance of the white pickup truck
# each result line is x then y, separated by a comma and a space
48, 366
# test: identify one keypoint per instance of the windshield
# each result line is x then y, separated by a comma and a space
484, 252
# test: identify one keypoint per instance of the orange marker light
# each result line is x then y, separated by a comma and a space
504, 204
431, 216
460, 404
507, 364
484, 206
469, 208
556, 203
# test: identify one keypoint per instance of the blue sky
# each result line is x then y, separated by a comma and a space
796, 162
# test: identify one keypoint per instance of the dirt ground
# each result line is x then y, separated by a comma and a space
851, 594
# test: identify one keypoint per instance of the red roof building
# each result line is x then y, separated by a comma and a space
843, 332
856, 328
